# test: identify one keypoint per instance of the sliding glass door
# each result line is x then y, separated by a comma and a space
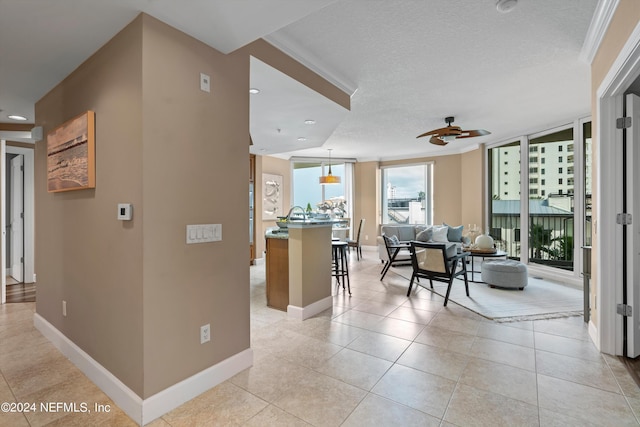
540, 189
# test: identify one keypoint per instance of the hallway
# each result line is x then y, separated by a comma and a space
377, 358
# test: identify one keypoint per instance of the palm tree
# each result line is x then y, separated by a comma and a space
539, 240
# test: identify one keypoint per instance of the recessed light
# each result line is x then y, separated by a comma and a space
310, 122
302, 139
16, 117
254, 90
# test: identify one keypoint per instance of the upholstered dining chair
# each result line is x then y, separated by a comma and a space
437, 261
356, 243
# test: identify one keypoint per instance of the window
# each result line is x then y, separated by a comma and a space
306, 191
548, 241
570, 148
570, 159
506, 163
570, 170
505, 194
407, 195
586, 164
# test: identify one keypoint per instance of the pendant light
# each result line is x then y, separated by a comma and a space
329, 178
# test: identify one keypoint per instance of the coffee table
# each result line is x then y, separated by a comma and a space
473, 255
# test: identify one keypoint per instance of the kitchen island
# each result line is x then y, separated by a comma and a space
298, 267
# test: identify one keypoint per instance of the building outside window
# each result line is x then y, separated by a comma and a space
407, 194
550, 209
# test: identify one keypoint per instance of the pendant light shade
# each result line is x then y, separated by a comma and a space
329, 178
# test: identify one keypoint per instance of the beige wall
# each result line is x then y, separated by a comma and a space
136, 293
83, 254
472, 188
193, 143
275, 166
366, 202
625, 19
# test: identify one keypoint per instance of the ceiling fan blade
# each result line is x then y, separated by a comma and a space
437, 141
448, 131
472, 133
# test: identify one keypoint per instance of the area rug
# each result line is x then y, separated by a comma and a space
541, 299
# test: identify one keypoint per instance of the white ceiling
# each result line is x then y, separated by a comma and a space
408, 63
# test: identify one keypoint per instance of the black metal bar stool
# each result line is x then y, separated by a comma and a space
340, 268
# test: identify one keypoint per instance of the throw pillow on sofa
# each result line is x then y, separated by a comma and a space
454, 234
425, 235
440, 234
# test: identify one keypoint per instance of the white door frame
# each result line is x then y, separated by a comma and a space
29, 210
607, 332
29, 214
16, 218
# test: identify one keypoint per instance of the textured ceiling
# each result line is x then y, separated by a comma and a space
410, 63
416, 62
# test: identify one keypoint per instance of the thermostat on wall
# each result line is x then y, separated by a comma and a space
125, 211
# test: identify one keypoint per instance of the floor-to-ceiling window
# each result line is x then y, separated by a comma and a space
551, 199
504, 209
586, 143
540, 189
407, 194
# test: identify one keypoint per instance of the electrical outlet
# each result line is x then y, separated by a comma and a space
205, 333
64, 308
366, 237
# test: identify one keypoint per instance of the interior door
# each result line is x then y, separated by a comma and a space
632, 197
16, 218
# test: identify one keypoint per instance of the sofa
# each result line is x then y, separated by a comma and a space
426, 233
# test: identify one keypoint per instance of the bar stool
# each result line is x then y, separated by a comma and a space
340, 267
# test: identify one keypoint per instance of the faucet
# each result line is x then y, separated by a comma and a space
304, 214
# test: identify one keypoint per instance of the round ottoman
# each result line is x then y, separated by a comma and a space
504, 274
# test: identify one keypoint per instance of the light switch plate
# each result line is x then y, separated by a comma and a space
204, 233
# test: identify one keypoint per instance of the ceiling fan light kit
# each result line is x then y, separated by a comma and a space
445, 135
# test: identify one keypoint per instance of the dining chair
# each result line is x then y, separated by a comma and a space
356, 243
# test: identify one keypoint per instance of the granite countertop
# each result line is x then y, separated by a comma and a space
283, 233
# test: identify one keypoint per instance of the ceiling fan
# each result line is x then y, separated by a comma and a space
443, 136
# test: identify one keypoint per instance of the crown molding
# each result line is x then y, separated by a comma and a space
597, 29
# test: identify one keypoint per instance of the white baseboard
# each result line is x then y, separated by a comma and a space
147, 410
302, 313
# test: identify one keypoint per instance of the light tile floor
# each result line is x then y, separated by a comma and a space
377, 358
